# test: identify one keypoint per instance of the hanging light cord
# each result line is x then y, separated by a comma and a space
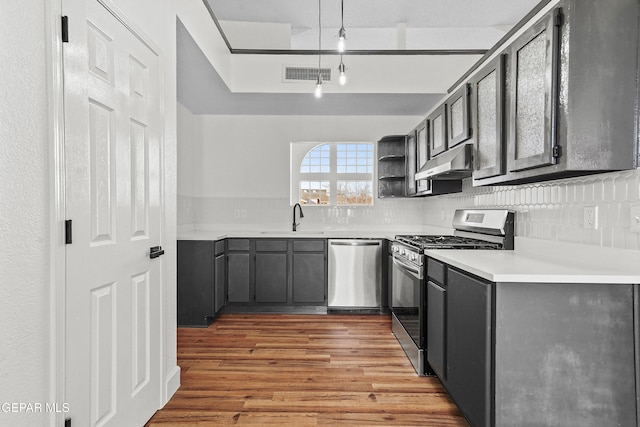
319, 37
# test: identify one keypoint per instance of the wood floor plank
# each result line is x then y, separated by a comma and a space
301, 370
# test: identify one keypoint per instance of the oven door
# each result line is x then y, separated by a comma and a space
407, 284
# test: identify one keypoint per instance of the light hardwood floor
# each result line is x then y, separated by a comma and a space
301, 370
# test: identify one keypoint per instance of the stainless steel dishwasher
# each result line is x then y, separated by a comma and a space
355, 273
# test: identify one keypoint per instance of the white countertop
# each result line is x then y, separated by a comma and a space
228, 233
542, 261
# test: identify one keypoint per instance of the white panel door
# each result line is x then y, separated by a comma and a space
113, 150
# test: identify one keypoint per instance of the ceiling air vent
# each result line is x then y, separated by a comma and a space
300, 74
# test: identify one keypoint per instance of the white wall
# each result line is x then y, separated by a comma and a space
27, 258
188, 144
240, 174
24, 208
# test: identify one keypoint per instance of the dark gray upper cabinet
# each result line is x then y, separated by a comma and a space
392, 167
423, 186
457, 105
487, 119
534, 66
572, 93
437, 131
411, 163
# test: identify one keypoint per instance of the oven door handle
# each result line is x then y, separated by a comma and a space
415, 272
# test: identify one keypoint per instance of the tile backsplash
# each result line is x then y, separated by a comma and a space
551, 210
554, 210
276, 213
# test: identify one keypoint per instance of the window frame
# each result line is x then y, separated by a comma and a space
300, 150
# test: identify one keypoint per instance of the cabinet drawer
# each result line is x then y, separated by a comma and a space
271, 245
238, 244
435, 271
308, 245
219, 247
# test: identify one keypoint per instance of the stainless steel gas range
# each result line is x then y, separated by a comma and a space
473, 229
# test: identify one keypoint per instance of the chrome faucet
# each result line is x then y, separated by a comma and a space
297, 205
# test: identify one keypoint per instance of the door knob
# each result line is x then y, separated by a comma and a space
155, 251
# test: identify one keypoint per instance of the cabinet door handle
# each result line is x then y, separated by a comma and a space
155, 251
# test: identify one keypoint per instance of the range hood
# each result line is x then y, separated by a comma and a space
456, 163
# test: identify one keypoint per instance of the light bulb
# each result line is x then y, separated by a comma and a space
342, 70
342, 36
318, 92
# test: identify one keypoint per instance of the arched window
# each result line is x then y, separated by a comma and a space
338, 173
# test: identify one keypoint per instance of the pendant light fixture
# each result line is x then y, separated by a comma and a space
342, 70
342, 34
318, 92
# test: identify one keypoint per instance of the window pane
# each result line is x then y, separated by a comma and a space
316, 157
314, 192
354, 193
355, 155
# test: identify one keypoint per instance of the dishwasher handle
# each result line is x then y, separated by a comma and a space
354, 243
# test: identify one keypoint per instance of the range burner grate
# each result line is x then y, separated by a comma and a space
446, 242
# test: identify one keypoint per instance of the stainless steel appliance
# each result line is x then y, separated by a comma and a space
355, 273
474, 229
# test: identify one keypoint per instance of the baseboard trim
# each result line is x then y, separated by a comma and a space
172, 384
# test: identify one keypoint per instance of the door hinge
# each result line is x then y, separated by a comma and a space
67, 422
558, 19
65, 29
556, 152
68, 232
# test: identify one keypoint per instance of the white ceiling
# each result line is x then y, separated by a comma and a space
375, 16
303, 14
471, 24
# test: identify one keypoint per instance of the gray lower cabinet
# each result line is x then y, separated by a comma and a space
309, 272
271, 277
468, 345
238, 271
532, 354
309, 278
276, 272
271, 266
195, 282
220, 276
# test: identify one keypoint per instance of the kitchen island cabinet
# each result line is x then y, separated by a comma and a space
533, 353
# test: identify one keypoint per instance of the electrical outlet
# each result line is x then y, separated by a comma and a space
237, 213
591, 217
635, 219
